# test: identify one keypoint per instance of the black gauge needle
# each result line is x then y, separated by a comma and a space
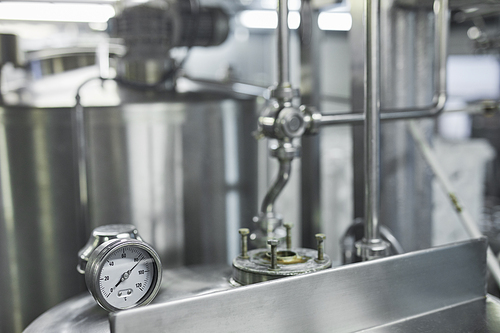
135, 265
123, 278
127, 273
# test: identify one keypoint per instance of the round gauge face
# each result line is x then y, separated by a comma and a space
126, 276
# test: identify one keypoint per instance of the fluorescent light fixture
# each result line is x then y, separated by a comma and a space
259, 19
293, 5
56, 12
335, 21
273, 4
293, 20
266, 19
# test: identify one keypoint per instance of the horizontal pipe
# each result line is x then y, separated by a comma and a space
439, 99
225, 87
385, 115
342, 118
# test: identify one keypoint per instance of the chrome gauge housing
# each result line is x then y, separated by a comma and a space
123, 274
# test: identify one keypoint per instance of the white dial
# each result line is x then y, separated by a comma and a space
123, 274
133, 268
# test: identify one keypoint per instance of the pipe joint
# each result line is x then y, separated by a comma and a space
312, 118
372, 249
286, 151
282, 122
284, 92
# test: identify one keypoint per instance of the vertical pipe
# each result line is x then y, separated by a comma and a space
310, 96
283, 45
372, 122
357, 71
441, 8
81, 148
277, 187
1, 95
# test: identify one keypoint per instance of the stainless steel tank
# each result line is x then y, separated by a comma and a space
38, 220
181, 167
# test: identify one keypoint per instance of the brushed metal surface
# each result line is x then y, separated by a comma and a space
453, 3
350, 298
82, 314
406, 191
182, 168
481, 315
463, 318
78, 314
38, 216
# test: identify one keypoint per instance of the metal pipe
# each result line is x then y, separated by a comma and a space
342, 118
440, 8
372, 123
231, 87
81, 149
277, 187
283, 45
2, 103
464, 215
284, 94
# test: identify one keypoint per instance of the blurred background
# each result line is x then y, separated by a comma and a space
143, 112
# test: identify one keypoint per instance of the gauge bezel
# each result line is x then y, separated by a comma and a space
98, 259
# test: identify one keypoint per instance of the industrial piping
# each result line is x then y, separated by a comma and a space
440, 8
372, 246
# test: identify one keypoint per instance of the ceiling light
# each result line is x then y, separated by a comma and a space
56, 12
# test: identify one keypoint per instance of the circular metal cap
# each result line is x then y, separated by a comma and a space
257, 268
291, 122
103, 234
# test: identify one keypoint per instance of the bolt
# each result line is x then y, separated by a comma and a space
321, 248
244, 242
288, 227
274, 256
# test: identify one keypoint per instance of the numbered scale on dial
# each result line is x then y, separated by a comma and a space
123, 273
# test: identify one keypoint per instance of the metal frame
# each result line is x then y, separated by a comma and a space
345, 299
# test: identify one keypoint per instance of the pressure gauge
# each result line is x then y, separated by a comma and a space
121, 272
